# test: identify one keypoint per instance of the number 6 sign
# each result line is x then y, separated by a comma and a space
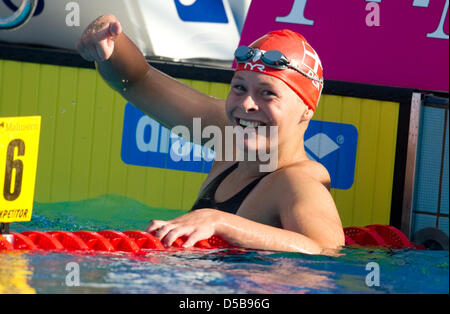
19, 144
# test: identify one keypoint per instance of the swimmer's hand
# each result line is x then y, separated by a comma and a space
97, 41
197, 225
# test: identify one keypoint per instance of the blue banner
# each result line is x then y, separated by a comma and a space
147, 143
209, 11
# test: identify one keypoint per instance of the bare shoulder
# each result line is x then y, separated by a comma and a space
305, 171
300, 183
312, 169
304, 203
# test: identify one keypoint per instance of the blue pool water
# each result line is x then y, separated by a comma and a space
209, 272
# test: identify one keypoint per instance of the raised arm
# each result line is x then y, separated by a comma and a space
124, 68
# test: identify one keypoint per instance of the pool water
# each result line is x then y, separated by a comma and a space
197, 271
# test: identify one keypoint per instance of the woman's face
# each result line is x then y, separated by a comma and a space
257, 99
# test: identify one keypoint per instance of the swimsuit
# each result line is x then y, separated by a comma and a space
207, 197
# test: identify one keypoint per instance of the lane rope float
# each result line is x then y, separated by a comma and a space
139, 242
107, 241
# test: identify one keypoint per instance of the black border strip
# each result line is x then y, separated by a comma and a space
191, 71
72, 59
184, 70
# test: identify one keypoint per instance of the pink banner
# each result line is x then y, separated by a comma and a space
402, 43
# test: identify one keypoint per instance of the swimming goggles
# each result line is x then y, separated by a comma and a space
272, 58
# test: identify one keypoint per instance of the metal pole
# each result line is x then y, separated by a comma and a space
408, 192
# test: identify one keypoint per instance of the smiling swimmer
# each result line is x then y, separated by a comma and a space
277, 83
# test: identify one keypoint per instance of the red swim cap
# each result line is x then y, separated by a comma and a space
299, 52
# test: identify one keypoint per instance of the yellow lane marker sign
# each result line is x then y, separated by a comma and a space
19, 145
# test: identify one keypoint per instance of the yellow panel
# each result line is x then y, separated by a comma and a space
154, 187
369, 199
64, 133
331, 108
29, 90
201, 86
345, 198
48, 80
19, 146
101, 139
11, 85
193, 182
384, 176
136, 178
83, 137
365, 163
173, 189
1, 82
117, 175
219, 90
318, 114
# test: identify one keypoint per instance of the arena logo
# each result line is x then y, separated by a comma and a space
334, 145
206, 11
145, 142
144, 137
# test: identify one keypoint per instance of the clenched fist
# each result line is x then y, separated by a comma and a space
97, 41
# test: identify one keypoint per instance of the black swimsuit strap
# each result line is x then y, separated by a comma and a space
207, 197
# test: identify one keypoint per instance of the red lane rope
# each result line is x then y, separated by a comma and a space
132, 242
392, 236
378, 236
5, 245
136, 242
